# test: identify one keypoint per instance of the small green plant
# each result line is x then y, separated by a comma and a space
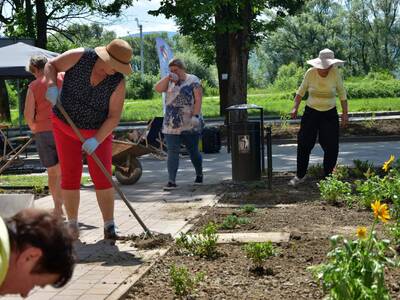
341, 172
332, 189
360, 168
285, 117
233, 221
203, 244
376, 187
356, 268
248, 208
258, 253
394, 230
38, 189
396, 164
184, 283
316, 171
371, 121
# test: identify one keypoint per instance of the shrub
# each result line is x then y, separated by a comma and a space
38, 189
12, 95
373, 88
248, 208
316, 171
289, 78
356, 269
203, 244
394, 230
333, 190
383, 75
232, 221
375, 187
341, 172
209, 90
361, 168
183, 282
258, 253
140, 88
369, 190
195, 66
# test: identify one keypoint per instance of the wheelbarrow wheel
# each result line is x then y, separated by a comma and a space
129, 172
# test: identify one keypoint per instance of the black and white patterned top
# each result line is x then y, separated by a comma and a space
87, 105
179, 106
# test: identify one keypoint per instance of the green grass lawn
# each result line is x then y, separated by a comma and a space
143, 110
273, 104
29, 180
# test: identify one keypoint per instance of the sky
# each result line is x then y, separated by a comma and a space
126, 24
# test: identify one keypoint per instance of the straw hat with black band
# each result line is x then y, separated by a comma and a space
117, 54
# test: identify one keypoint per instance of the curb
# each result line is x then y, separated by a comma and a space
345, 139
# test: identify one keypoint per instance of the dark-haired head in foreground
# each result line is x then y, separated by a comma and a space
39, 251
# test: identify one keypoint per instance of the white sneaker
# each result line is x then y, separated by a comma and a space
296, 181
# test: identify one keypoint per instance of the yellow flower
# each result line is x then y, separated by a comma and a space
386, 164
362, 232
381, 211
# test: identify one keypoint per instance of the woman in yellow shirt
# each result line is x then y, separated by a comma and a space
323, 83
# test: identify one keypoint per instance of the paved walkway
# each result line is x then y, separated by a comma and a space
106, 271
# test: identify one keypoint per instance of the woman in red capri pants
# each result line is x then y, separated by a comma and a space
93, 94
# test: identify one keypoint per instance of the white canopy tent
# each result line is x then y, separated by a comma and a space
13, 60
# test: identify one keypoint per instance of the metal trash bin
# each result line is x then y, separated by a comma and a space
246, 154
246, 142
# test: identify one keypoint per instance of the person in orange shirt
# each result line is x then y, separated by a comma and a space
37, 114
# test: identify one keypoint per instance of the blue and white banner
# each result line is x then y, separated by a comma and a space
164, 55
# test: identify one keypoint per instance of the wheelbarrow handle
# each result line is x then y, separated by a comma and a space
101, 166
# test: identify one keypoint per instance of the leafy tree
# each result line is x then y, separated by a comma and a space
80, 35
151, 64
226, 31
38, 18
366, 33
375, 31
301, 37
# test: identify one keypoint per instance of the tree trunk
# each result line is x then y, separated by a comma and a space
238, 60
5, 114
232, 59
222, 61
41, 24
29, 19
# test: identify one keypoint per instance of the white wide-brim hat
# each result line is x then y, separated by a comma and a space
325, 59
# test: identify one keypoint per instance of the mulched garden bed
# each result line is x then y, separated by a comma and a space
310, 221
369, 127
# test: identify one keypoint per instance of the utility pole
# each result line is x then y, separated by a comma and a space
141, 47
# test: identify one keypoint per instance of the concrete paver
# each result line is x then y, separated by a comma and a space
105, 271
240, 237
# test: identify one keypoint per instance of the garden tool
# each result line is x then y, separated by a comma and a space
103, 169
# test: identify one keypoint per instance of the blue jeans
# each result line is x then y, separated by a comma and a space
191, 142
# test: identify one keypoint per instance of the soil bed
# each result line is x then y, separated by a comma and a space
299, 211
369, 127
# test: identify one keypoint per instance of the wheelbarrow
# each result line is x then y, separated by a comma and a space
128, 168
